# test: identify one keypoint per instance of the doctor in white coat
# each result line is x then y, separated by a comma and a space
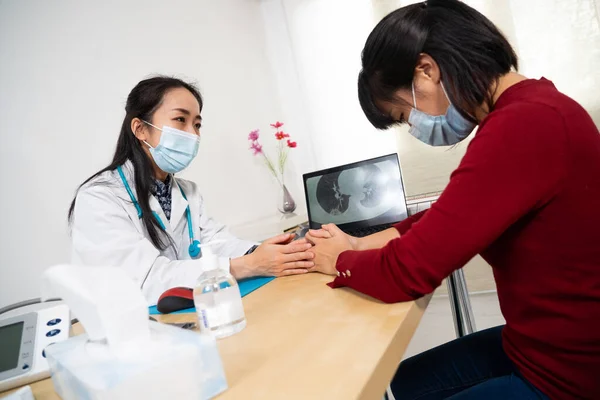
135, 214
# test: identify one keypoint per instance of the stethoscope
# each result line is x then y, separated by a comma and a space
194, 248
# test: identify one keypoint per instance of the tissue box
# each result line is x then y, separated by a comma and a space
172, 364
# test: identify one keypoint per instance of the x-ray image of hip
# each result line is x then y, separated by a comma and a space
356, 194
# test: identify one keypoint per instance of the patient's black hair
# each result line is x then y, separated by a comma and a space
470, 50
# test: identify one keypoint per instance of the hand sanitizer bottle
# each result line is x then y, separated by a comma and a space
217, 299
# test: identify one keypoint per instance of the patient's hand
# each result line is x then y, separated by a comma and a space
328, 230
328, 244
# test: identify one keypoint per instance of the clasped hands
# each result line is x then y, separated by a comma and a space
282, 256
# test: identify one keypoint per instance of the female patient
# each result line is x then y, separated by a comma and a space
525, 197
135, 214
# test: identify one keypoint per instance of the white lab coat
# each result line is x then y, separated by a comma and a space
106, 231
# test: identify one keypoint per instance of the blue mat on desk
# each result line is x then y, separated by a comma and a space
246, 286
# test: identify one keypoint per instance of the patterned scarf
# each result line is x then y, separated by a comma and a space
162, 192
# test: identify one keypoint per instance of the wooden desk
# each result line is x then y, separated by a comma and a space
304, 340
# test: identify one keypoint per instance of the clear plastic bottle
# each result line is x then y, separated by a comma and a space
217, 300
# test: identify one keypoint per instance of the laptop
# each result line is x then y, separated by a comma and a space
361, 198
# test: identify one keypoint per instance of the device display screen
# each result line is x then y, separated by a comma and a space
10, 344
369, 192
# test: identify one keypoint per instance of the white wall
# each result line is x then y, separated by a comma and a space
66, 69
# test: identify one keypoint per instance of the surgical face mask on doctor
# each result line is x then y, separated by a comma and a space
439, 130
176, 149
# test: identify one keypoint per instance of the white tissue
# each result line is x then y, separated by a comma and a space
105, 300
123, 355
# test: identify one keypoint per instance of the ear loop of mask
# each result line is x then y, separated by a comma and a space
446, 94
415, 97
450, 101
154, 126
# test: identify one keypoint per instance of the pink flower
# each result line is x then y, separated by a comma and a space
257, 148
277, 125
291, 144
253, 135
281, 135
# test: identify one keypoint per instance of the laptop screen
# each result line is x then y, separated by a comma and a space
359, 195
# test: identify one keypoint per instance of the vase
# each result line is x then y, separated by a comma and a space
285, 201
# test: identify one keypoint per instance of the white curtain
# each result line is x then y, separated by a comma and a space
557, 39
314, 49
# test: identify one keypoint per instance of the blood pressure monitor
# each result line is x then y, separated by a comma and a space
23, 340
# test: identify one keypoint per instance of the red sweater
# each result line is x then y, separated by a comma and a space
526, 197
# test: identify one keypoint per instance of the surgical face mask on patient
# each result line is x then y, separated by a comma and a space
176, 149
439, 130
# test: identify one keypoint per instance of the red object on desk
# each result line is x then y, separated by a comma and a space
175, 299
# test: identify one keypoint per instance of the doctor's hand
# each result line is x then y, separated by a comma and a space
278, 256
328, 244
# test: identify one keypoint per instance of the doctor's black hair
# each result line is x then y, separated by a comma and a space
143, 100
470, 50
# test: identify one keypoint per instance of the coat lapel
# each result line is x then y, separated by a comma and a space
178, 206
